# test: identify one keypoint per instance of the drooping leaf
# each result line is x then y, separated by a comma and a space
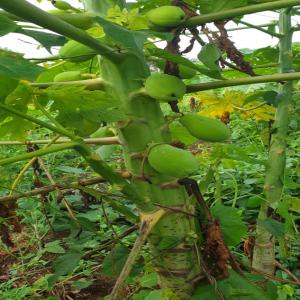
54, 247
232, 225
83, 110
184, 61
155, 295
149, 280
113, 263
46, 39
65, 264
7, 86
130, 40
15, 128
81, 284
273, 226
235, 287
16, 67
6, 25
209, 55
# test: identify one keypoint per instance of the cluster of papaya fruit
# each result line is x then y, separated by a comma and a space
172, 161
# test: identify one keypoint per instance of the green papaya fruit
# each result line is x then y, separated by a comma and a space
166, 16
68, 76
62, 5
82, 20
164, 87
204, 128
172, 161
103, 132
76, 52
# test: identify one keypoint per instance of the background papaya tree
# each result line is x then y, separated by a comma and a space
102, 76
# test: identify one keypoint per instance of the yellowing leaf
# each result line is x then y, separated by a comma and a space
216, 105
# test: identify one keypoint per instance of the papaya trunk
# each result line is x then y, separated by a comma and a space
177, 264
264, 250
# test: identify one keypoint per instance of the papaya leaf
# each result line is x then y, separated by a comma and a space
114, 262
81, 109
16, 67
131, 40
234, 287
184, 61
16, 128
231, 223
209, 55
46, 39
6, 25
65, 264
149, 280
7, 86
274, 227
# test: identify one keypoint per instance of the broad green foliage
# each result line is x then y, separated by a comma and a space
156, 147
6, 25
16, 67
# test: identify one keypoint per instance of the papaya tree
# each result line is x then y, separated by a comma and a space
108, 70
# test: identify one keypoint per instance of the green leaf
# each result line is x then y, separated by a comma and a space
155, 295
16, 129
65, 264
141, 295
121, 208
184, 61
70, 170
149, 280
47, 40
274, 227
18, 68
7, 85
209, 6
209, 55
106, 151
81, 284
54, 247
113, 263
232, 225
254, 201
235, 287
132, 40
6, 25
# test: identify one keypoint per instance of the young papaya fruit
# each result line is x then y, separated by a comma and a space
82, 20
164, 87
76, 52
204, 128
172, 161
68, 76
166, 16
